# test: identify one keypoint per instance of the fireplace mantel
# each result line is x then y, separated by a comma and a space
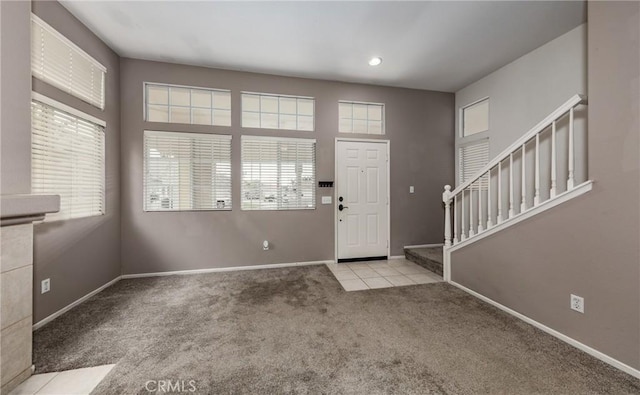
20, 209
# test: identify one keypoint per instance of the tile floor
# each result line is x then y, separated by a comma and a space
70, 382
358, 276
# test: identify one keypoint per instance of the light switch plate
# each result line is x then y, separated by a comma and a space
326, 200
411, 189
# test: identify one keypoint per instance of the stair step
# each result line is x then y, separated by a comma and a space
428, 257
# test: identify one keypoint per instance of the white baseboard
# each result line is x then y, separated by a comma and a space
581, 346
63, 310
425, 245
396, 257
225, 269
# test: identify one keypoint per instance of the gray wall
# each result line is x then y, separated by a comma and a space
419, 125
15, 113
79, 255
525, 91
587, 246
521, 94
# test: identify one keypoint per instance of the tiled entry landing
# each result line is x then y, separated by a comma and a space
70, 382
360, 276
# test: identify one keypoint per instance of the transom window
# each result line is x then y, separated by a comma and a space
277, 112
475, 118
186, 171
189, 105
366, 118
67, 158
278, 173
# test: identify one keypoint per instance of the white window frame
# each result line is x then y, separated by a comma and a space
62, 215
69, 87
382, 120
461, 117
146, 104
278, 202
193, 186
278, 113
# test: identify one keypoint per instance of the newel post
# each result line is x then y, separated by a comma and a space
446, 198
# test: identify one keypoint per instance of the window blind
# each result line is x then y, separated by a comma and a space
472, 158
68, 159
186, 171
59, 62
278, 173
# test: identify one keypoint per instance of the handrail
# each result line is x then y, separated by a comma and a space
469, 208
545, 123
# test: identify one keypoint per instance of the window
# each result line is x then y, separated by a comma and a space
59, 62
277, 112
472, 158
67, 158
183, 104
278, 173
367, 118
475, 118
186, 171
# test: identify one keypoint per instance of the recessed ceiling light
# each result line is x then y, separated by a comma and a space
375, 61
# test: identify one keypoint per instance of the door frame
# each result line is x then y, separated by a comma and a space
335, 189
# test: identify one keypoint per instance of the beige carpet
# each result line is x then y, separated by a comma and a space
296, 331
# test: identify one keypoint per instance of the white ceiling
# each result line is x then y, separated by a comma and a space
425, 45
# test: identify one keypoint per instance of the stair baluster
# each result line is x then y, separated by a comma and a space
471, 232
523, 203
552, 192
499, 219
458, 199
463, 235
489, 202
570, 180
480, 226
511, 212
455, 219
536, 198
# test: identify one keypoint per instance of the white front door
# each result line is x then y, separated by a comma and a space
362, 199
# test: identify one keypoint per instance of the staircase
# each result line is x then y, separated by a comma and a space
428, 257
545, 167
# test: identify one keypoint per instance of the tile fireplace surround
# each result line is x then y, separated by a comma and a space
17, 213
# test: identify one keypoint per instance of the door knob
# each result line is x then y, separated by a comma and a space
341, 207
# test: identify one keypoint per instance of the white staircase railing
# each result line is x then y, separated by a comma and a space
544, 167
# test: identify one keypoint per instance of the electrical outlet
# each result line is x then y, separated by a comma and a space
577, 303
45, 286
